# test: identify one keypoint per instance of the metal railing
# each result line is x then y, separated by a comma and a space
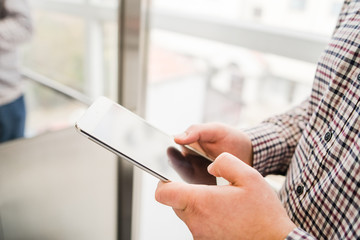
56, 86
284, 42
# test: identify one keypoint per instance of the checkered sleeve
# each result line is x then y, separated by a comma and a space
274, 140
299, 234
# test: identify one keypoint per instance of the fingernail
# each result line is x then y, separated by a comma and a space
209, 168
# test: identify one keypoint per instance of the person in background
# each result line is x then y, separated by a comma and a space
15, 29
316, 145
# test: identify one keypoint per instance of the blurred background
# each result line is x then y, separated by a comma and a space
175, 62
211, 60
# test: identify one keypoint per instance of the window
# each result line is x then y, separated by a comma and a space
56, 50
75, 45
194, 65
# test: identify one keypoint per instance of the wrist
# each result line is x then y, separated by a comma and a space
284, 230
246, 150
250, 149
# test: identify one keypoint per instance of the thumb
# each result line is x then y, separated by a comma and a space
233, 170
174, 194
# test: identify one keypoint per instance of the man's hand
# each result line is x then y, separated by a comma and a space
212, 139
246, 209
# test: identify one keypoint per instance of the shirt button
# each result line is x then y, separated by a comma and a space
358, 78
299, 190
328, 136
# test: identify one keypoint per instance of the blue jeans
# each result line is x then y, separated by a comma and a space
12, 120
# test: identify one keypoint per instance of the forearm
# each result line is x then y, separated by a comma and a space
274, 141
16, 27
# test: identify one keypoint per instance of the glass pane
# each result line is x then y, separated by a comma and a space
77, 50
57, 48
205, 81
110, 59
48, 110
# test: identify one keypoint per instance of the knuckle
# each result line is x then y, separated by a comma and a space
193, 127
253, 175
217, 124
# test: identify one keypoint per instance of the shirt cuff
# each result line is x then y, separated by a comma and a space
269, 149
299, 234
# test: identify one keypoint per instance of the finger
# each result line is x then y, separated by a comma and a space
233, 170
174, 194
188, 137
197, 133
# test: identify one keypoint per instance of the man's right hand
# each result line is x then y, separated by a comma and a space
213, 139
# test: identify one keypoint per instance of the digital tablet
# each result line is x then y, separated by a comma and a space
135, 140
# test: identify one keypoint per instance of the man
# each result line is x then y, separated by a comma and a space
15, 29
317, 146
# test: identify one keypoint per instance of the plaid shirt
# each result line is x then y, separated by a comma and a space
317, 144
